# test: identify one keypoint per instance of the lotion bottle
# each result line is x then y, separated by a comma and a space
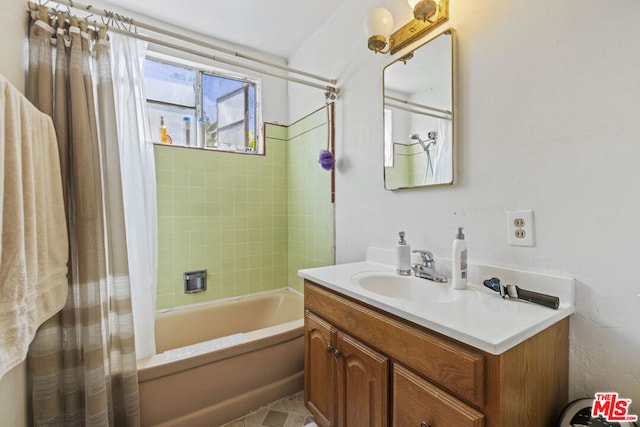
403, 257
459, 257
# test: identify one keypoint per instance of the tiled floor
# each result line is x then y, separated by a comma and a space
288, 412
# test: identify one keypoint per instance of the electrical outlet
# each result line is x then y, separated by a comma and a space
520, 228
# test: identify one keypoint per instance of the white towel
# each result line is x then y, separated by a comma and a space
34, 244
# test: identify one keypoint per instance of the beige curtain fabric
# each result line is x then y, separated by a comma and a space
82, 363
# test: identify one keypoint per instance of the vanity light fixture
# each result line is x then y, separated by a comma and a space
427, 15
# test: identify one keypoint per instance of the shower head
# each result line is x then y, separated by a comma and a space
433, 136
416, 137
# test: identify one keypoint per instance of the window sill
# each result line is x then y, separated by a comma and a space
210, 149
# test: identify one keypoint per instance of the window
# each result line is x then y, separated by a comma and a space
202, 109
388, 138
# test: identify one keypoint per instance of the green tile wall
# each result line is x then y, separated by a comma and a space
310, 214
223, 212
401, 174
251, 221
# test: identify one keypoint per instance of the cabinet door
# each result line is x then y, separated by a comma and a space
319, 370
363, 384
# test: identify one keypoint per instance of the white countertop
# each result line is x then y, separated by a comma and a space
476, 316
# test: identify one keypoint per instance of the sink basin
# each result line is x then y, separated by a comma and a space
405, 287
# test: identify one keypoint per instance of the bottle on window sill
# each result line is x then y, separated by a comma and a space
163, 132
201, 132
186, 131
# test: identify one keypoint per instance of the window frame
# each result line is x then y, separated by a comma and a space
232, 74
245, 119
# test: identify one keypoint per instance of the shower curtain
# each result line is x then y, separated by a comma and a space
442, 164
139, 174
82, 362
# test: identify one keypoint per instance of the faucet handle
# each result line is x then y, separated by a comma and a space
427, 256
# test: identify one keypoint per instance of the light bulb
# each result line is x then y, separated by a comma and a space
379, 22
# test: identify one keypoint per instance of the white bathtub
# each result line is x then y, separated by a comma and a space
219, 361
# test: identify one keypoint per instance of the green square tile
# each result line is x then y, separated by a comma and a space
198, 238
198, 223
164, 301
180, 160
182, 298
164, 193
181, 209
165, 286
165, 224
181, 193
165, 240
197, 209
199, 297
227, 168
180, 177
181, 240
165, 209
164, 178
196, 178
165, 270
196, 194
213, 222
213, 195
165, 255
181, 224
213, 293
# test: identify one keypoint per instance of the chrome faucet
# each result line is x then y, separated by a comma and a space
427, 269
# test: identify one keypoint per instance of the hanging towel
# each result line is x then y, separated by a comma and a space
34, 243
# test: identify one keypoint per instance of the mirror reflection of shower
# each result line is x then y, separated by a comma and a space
432, 139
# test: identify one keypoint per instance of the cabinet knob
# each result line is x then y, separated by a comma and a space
329, 348
337, 353
425, 424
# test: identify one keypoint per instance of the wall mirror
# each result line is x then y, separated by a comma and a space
418, 116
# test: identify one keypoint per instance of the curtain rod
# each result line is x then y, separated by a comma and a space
413, 110
331, 91
415, 104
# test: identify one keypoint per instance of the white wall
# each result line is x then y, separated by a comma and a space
547, 118
13, 21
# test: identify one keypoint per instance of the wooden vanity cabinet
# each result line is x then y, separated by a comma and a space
346, 382
366, 367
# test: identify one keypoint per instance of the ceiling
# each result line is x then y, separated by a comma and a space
277, 27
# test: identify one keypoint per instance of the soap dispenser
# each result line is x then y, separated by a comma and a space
403, 256
459, 257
